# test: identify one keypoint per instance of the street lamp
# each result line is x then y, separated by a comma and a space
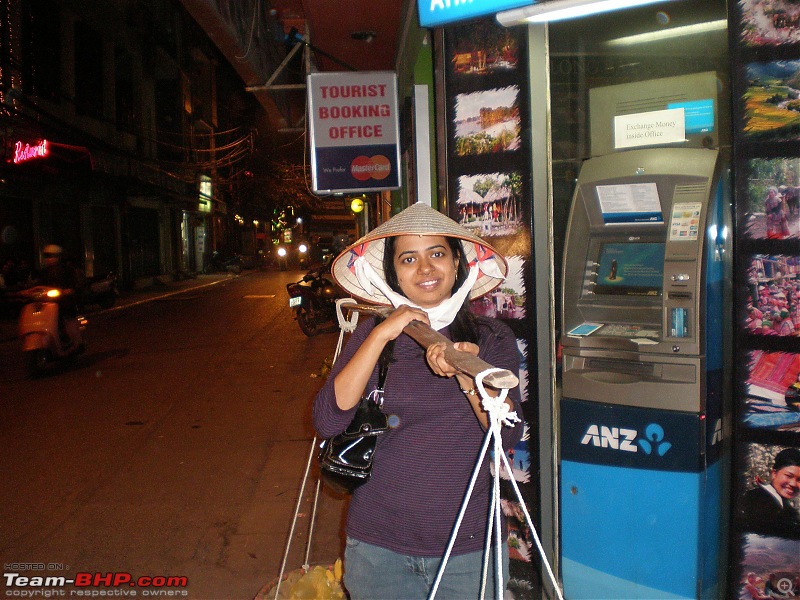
357, 205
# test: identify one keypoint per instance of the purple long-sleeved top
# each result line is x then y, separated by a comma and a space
422, 467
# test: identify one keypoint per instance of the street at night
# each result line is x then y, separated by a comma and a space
175, 446
576, 221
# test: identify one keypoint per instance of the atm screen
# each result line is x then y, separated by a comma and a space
630, 269
626, 203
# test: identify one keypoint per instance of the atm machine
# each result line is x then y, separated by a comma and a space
641, 408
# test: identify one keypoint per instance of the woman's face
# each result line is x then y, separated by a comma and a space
786, 481
425, 267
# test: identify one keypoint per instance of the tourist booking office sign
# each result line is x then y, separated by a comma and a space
355, 145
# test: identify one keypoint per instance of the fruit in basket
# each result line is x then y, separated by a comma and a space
318, 583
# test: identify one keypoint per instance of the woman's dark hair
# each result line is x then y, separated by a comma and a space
464, 327
788, 457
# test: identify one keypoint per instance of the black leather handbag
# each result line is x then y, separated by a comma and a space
345, 460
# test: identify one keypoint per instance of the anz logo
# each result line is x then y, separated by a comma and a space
625, 440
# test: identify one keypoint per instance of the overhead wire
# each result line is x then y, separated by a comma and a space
256, 10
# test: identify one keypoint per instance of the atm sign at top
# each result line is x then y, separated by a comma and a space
433, 13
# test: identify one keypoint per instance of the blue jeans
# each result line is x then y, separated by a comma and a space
372, 573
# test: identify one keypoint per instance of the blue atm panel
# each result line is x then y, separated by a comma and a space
639, 503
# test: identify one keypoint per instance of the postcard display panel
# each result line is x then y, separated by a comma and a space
765, 538
488, 178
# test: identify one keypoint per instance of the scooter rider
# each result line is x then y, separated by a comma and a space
58, 274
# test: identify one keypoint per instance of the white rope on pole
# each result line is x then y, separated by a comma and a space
498, 449
317, 487
296, 512
493, 405
487, 548
535, 535
499, 414
345, 326
486, 439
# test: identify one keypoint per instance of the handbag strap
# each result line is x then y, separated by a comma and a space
383, 368
376, 395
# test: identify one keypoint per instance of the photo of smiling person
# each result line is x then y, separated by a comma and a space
769, 507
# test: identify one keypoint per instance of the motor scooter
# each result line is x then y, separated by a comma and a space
46, 336
101, 291
222, 264
313, 299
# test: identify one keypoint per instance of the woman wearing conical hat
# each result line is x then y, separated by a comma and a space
427, 267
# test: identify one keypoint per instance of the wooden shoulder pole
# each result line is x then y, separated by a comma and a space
467, 363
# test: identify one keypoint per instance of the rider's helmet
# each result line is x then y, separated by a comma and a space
52, 255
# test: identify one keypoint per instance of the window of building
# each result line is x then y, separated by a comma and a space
40, 71
88, 71
169, 120
125, 101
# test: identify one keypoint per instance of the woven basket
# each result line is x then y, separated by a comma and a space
318, 583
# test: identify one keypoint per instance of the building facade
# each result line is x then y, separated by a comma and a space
113, 145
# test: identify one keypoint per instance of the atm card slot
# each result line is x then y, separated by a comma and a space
679, 295
628, 368
616, 370
672, 383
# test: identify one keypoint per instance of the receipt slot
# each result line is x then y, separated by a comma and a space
641, 405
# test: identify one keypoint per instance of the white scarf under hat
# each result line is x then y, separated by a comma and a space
440, 315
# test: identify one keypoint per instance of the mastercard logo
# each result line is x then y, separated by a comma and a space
364, 167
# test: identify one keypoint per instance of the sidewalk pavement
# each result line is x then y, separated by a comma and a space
162, 286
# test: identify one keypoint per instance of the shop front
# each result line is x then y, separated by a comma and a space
523, 108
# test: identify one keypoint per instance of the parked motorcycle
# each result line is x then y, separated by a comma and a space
313, 299
47, 335
222, 264
102, 291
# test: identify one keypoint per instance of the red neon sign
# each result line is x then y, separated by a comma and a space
23, 152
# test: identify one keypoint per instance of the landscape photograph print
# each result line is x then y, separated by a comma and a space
768, 564
772, 101
481, 48
487, 122
490, 204
770, 22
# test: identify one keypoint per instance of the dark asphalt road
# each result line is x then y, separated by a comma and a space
175, 446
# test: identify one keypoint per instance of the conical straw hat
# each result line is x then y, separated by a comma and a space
418, 219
